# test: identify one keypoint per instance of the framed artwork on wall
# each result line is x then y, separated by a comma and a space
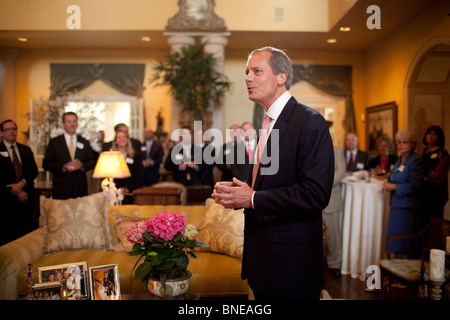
381, 120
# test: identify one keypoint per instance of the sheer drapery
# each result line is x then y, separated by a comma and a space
334, 80
69, 78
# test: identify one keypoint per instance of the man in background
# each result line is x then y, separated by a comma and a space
68, 157
18, 170
355, 159
152, 154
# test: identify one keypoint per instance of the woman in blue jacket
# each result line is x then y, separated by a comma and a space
405, 184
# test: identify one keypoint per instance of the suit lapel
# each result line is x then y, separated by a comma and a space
273, 145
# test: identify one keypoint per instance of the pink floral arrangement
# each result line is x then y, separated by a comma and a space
165, 244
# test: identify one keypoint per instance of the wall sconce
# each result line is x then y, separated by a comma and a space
110, 165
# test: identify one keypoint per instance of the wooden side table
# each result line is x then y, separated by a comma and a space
153, 195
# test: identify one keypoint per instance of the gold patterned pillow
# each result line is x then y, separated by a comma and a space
222, 229
121, 227
79, 223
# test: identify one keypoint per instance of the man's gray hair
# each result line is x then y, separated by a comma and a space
279, 62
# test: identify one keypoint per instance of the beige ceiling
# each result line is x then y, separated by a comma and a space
394, 14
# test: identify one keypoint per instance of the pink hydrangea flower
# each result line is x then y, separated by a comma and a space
166, 225
134, 233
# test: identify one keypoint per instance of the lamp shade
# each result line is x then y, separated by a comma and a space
111, 164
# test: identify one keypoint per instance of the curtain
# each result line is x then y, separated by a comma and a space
69, 78
334, 80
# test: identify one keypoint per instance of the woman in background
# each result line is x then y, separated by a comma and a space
132, 157
383, 163
405, 184
436, 160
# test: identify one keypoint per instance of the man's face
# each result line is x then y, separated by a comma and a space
148, 134
70, 124
262, 84
351, 142
9, 132
249, 131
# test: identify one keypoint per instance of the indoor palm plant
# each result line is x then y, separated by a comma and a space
192, 78
165, 243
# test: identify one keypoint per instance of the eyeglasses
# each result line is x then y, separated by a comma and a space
10, 129
401, 142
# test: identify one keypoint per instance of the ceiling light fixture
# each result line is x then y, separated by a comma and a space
22, 39
331, 40
345, 29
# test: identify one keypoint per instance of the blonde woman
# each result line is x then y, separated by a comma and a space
132, 157
407, 204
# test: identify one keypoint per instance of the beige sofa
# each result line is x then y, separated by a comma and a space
88, 230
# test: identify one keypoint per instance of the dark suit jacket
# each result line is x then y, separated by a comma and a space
135, 181
375, 161
283, 242
18, 217
235, 154
68, 184
189, 176
361, 161
150, 175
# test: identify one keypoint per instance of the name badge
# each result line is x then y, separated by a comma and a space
143, 148
401, 168
80, 145
360, 165
129, 160
4, 154
434, 156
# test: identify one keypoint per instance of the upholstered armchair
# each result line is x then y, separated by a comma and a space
409, 276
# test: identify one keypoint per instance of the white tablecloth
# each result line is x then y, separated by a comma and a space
363, 226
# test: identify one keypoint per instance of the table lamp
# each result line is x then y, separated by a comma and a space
110, 165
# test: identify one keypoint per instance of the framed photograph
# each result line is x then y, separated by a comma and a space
73, 276
380, 120
48, 291
105, 282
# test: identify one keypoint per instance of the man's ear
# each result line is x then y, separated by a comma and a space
282, 77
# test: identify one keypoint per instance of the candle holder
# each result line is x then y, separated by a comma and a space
436, 289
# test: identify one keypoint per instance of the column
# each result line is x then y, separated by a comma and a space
176, 42
8, 80
215, 44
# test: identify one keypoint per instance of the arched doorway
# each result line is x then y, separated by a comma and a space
427, 92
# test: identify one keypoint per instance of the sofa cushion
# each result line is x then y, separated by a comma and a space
121, 226
122, 217
75, 224
222, 229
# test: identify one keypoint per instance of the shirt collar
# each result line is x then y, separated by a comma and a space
278, 106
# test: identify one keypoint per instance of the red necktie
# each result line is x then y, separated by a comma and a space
249, 152
16, 164
261, 145
350, 163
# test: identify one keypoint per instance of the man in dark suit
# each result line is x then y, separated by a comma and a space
283, 239
356, 159
69, 167
185, 160
152, 154
17, 194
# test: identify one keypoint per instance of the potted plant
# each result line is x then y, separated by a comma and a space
165, 242
193, 79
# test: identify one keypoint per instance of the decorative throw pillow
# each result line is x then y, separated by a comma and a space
121, 226
79, 223
222, 229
